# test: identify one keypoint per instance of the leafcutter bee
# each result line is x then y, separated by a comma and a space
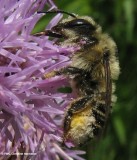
94, 68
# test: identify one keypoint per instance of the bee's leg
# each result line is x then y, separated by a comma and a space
64, 71
50, 74
48, 33
72, 70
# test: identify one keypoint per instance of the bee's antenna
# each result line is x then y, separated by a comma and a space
58, 11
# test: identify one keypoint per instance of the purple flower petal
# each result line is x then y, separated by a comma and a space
31, 107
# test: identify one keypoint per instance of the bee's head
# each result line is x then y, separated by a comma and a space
77, 26
74, 26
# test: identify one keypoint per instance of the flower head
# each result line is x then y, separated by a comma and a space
31, 108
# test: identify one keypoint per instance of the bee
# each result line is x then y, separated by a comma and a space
93, 70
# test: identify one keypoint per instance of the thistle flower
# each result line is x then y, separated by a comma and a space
31, 108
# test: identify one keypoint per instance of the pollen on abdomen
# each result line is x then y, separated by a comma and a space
81, 126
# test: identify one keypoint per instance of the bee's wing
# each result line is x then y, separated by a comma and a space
108, 82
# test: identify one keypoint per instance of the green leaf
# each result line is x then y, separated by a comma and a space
129, 15
120, 129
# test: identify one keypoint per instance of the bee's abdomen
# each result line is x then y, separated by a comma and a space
86, 123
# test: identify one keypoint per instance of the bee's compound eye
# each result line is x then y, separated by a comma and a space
80, 23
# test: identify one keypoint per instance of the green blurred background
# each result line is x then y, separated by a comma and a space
118, 18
